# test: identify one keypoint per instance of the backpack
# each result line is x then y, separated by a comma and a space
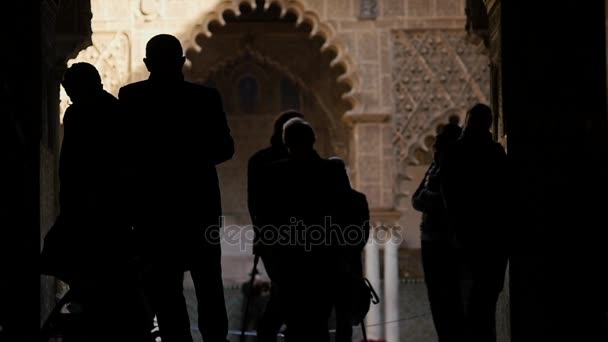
361, 292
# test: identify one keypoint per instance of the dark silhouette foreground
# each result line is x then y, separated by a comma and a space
144, 207
175, 133
301, 200
476, 191
90, 245
440, 257
272, 319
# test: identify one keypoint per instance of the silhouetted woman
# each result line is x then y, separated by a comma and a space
439, 257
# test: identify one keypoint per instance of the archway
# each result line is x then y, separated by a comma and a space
264, 58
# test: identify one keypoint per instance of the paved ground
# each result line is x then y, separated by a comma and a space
415, 323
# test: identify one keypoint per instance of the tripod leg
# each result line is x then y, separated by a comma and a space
256, 259
363, 332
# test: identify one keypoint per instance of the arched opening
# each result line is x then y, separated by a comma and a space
263, 61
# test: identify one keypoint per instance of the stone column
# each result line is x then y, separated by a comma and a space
391, 285
372, 272
371, 160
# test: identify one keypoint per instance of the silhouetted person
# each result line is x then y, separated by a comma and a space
272, 320
99, 254
454, 120
439, 254
301, 198
86, 158
175, 135
474, 185
354, 224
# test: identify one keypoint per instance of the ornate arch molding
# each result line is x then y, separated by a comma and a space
303, 14
335, 132
256, 56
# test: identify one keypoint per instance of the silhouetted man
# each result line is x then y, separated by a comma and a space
272, 320
90, 223
474, 185
176, 133
439, 254
302, 196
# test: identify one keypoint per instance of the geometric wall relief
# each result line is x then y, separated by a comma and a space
110, 54
436, 73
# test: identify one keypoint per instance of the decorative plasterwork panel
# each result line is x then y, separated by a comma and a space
436, 73
110, 54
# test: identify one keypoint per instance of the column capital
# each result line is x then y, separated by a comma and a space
370, 117
384, 215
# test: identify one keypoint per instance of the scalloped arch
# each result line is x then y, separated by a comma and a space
303, 14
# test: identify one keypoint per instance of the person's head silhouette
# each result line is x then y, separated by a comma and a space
479, 118
81, 81
448, 135
277, 135
298, 135
164, 56
439, 128
454, 119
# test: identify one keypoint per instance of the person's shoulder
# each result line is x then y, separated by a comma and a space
201, 89
109, 98
333, 164
134, 87
359, 196
262, 156
69, 113
280, 163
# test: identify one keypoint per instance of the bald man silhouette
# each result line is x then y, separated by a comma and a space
175, 134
